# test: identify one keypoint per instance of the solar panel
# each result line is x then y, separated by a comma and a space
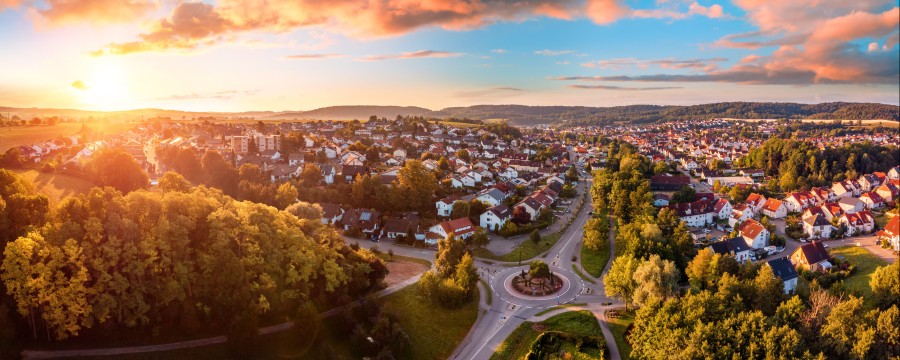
365, 216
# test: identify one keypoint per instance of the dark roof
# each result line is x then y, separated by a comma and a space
670, 180
501, 211
330, 210
783, 268
814, 252
729, 246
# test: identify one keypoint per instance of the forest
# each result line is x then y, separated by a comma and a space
116, 267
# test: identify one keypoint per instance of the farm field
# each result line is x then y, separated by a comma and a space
23, 135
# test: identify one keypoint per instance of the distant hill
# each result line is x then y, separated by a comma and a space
529, 115
350, 112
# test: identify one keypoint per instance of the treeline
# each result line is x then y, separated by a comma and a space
740, 311
800, 165
114, 267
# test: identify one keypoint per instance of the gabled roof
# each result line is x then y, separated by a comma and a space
751, 228
783, 268
772, 204
501, 211
814, 252
893, 226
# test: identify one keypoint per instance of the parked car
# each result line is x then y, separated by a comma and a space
771, 250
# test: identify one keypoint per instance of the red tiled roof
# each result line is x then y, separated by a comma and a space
751, 228
893, 226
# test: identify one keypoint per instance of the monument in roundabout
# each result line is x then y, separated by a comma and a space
539, 280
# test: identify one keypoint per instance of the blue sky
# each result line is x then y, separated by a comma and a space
220, 56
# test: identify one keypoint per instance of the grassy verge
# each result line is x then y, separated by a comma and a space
618, 326
563, 306
865, 263
434, 332
594, 261
516, 346
527, 248
580, 274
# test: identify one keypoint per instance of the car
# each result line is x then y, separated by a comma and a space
707, 231
825, 245
590, 213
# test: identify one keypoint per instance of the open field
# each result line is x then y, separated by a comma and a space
865, 262
527, 248
23, 135
434, 332
517, 345
55, 186
401, 268
618, 326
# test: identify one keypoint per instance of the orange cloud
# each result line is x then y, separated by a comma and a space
413, 55
102, 11
605, 12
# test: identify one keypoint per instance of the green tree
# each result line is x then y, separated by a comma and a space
463, 154
535, 236
769, 291
305, 210
885, 284
417, 184
539, 270
449, 254
655, 280
460, 210
311, 174
684, 195
480, 238
285, 195
619, 281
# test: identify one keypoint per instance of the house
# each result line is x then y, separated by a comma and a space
798, 201
846, 188
739, 213
869, 182
367, 221
891, 233
350, 172
461, 228
774, 208
733, 246
858, 223
755, 234
722, 209
491, 196
660, 200
445, 206
894, 173
831, 210
401, 227
698, 213
784, 270
872, 200
755, 201
328, 173
851, 205
889, 192
812, 257
331, 213
531, 206
495, 217
817, 227
668, 183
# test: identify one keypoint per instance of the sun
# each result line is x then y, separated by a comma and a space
106, 88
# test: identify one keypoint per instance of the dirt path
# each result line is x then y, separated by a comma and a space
400, 270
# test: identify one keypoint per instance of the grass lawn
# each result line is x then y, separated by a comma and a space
55, 186
433, 332
24, 135
563, 306
865, 262
618, 326
516, 346
882, 220
528, 249
594, 261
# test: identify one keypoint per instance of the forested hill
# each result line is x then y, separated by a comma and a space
351, 112
580, 115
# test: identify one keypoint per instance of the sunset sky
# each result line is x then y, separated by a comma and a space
231, 55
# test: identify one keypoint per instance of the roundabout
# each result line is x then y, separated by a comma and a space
502, 283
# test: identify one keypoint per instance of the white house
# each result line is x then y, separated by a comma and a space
328, 173
858, 223
784, 270
495, 217
461, 228
733, 246
755, 201
722, 209
851, 205
774, 209
817, 227
756, 235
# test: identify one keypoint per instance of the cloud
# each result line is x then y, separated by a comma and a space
494, 92
622, 88
313, 56
499, 51
413, 55
605, 12
195, 24
548, 52
80, 85
675, 11
621, 63
95, 11
4, 4
220, 95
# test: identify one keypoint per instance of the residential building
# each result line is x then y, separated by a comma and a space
811, 256
755, 234
784, 270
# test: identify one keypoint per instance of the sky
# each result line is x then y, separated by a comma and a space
230, 55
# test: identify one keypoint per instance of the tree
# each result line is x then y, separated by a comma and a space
443, 164
596, 233
285, 195
769, 291
660, 167
311, 174
885, 284
21, 207
539, 270
520, 215
173, 181
535, 236
480, 238
417, 184
655, 280
619, 281
684, 195
305, 210
463, 154
460, 210
449, 254
571, 174
116, 168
